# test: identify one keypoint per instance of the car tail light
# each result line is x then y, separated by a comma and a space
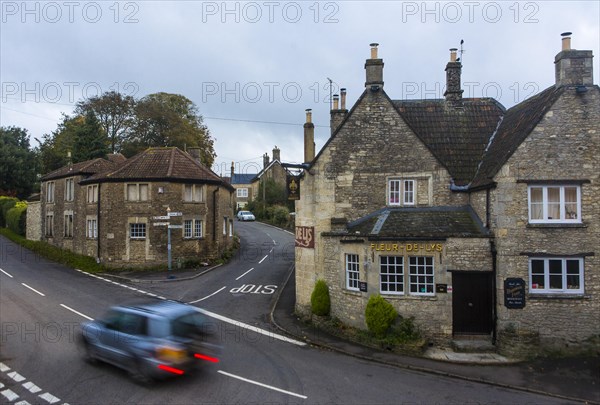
171, 354
205, 357
171, 369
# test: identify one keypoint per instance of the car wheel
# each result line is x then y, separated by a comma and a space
138, 374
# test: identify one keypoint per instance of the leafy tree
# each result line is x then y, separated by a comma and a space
164, 119
115, 113
18, 162
55, 147
90, 140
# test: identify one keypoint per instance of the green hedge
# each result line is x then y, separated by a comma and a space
319, 299
6, 203
379, 315
16, 218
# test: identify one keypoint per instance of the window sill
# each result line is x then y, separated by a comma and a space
557, 296
557, 225
402, 297
355, 293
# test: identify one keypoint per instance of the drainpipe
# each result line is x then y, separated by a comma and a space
98, 222
494, 296
215, 213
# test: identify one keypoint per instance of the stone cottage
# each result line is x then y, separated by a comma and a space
477, 220
120, 210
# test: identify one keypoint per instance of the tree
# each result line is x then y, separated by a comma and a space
90, 140
18, 162
115, 113
164, 119
55, 147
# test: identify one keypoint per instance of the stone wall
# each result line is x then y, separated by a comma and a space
34, 220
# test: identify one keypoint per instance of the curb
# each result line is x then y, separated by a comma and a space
166, 280
408, 366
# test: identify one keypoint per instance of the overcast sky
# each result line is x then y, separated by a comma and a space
252, 68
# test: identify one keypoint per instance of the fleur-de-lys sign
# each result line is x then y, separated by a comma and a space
305, 237
293, 187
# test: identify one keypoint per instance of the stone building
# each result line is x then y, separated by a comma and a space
272, 170
475, 219
119, 210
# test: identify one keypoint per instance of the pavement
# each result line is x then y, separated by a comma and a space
574, 379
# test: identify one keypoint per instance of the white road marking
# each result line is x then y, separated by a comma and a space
4, 368
1, 386
9, 394
263, 259
76, 312
31, 387
208, 296
49, 398
22, 403
16, 376
6, 273
34, 290
262, 385
252, 328
245, 273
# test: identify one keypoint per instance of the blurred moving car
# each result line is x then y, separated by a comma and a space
245, 216
151, 340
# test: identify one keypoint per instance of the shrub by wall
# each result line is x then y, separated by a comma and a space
16, 218
319, 300
6, 203
379, 315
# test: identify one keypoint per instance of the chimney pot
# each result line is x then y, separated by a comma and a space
309, 138
374, 50
308, 115
336, 102
453, 54
566, 40
343, 99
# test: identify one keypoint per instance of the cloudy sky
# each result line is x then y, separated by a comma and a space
252, 68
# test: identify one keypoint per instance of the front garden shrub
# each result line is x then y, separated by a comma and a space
379, 315
16, 218
319, 299
6, 203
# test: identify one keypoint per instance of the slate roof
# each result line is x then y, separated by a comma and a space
159, 164
242, 178
517, 124
88, 167
456, 134
423, 223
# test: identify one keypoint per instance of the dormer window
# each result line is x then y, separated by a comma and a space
554, 204
401, 192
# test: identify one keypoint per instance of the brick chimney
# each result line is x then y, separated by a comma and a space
309, 138
453, 69
195, 153
339, 112
232, 170
374, 70
573, 67
265, 160
276, 154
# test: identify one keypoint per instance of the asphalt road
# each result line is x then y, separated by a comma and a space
42, 305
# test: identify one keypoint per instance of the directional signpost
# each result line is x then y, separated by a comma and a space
162, 221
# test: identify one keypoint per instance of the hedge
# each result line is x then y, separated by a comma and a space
319, 299
6, 203
379, 315
16, 218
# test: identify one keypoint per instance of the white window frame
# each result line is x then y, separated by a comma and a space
91, 228
68, 224
198, 230
70, 189
50, 192
188, 225
385, 272
138, 194
418, 271
230, 227
545, 204
402, 192
563, 275
224, 226
195, 194
352, 262
242, 192
92, 193
49, 231
139, 233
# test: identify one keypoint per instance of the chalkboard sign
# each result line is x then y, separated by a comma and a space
514, 293
362, 286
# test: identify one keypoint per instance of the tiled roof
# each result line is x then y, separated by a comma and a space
116, 158
156, 164
244, 178
456, 134
88, 167
430, 222
517, 124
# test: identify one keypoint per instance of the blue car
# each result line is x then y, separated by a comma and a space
151, 340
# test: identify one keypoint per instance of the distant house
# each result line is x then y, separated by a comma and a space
242, 182
118, 210
272, 170
473, 219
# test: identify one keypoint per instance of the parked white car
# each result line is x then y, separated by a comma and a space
245, 216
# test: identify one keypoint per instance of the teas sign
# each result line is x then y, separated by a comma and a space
305, 237
514, 293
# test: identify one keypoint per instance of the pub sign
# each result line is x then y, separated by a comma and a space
305, 237
293, 187
514, 293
